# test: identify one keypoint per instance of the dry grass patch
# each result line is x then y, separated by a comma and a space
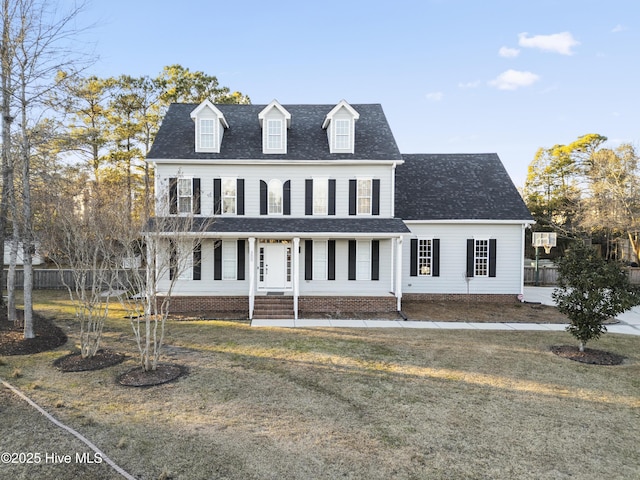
341, 403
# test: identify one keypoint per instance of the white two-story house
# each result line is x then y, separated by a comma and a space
315, 205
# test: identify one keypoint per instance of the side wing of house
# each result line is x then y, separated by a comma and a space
467, 223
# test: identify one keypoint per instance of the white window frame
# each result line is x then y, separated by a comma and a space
228, 198
184, 258
275, 188
342, 134
363, 200
320, 196
481, 257
275, 134
363, 260
229, 259
207, 131
425, 257
320, 259
182, 184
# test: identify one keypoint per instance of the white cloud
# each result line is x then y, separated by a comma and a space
619, 28
507, 52
435, 96
469, 84
561, 43
513, 79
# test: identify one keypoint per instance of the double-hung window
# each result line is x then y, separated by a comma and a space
481, 258
229, 259
274, 134
342, 130
275, 197
185, 195
425, 257
320, 260
320, 196
229, 195
364, 196
207, 133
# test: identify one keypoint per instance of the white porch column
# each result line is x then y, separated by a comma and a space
252, 275
296, 275
398, 265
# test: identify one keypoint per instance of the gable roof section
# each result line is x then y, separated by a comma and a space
457, 187
306, 138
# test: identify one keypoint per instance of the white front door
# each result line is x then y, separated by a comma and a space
274, 266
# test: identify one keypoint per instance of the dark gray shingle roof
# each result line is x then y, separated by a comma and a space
240, 224
306, 138
456, 187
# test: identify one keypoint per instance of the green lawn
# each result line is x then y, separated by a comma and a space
335, 403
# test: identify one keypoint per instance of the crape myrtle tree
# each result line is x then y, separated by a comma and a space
81, 236
590, 291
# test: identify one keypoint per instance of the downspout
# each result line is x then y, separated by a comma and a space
296, 276
252, 275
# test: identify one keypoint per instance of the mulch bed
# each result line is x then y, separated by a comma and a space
48, 337
75, 363
136, 377
590, 356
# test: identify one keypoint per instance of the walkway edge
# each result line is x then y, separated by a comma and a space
70, 430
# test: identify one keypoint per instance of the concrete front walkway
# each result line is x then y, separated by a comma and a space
629, 321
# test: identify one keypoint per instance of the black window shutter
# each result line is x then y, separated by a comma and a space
332, 196
352, 259
196, 196
375, 259
492, 257
241, 255
217, 196
375, 191
217, 261
286, 193
308, 259
353, 189
331, 259
308, 196
470, 257
240, 196
197, 261
435, 257
413, 268
173, 196
263, 197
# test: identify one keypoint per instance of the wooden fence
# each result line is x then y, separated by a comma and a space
548, 275
52, 279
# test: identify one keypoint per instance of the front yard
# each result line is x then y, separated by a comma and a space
334, 403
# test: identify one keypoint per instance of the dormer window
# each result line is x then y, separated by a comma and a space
274, 120
340, 126
210, 124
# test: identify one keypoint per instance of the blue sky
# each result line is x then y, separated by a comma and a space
452, 75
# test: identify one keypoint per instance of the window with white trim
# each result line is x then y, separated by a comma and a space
363, 260
207, 132
320, 196
342, 134
275, 197
364, 194
320, 259
425, 257
181, 259
229, 259
229, 195
185, 195
274, 134
481, 258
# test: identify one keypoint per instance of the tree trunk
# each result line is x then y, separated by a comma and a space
581, 347
635, 244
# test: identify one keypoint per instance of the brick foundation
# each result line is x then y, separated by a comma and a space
346, 304
209, 304
459, 297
